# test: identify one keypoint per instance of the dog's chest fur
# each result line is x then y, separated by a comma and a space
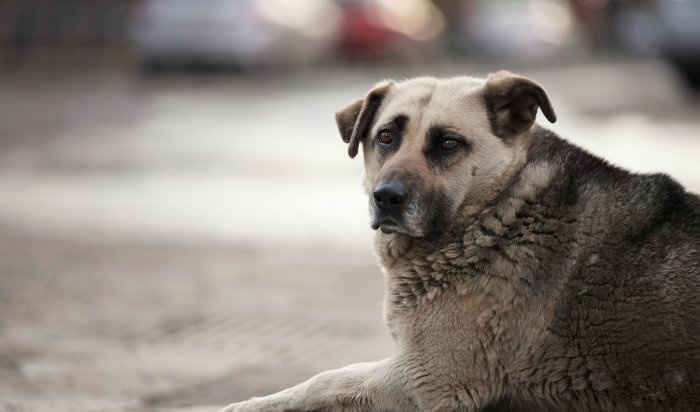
467, 305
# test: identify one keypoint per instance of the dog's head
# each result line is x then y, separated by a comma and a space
432, 146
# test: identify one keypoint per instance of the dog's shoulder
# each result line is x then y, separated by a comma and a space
634, 201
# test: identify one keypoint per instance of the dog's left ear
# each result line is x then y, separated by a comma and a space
512, 102
355, 119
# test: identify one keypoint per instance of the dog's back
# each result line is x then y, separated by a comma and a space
624, 329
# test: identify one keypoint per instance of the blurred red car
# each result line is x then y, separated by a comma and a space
389, 28
361, 32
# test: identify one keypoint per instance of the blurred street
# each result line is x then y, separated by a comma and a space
178, 243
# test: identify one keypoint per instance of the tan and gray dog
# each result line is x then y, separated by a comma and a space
522, 273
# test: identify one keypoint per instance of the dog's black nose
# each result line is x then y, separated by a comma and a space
389, 194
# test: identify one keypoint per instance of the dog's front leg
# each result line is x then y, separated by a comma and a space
363, 387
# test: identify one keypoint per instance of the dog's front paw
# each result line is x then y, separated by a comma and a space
264, 404
246, 406
234, 407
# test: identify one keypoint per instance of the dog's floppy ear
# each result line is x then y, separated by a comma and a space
512, 102
355, 119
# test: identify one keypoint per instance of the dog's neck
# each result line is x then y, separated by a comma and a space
487, 191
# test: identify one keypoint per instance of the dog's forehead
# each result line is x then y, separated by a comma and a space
431, 99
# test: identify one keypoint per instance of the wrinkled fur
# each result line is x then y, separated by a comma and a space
573, 286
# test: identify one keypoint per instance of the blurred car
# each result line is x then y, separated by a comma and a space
362, 33
680, 22
670, 28
242, 33
516, 28
389, 28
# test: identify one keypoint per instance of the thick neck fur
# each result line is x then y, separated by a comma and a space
542, 214
543, 223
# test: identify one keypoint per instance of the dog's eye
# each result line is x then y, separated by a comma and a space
449, 144
385, 137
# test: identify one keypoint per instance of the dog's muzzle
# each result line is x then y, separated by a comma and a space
389, 198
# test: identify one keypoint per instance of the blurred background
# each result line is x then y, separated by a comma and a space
180, 225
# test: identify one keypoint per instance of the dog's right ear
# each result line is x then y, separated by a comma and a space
512, 102
355, 119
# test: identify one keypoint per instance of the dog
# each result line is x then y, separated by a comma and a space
522, 273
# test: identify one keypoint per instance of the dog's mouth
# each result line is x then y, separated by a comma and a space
388, 225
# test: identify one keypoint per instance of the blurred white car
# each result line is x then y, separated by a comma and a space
244, 33
518, 28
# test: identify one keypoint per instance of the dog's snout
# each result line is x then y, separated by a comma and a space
389, 194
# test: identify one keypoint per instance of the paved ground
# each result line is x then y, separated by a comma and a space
180, 243
115, 325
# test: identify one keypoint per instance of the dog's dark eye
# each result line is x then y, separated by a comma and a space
449, 144
385, 137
